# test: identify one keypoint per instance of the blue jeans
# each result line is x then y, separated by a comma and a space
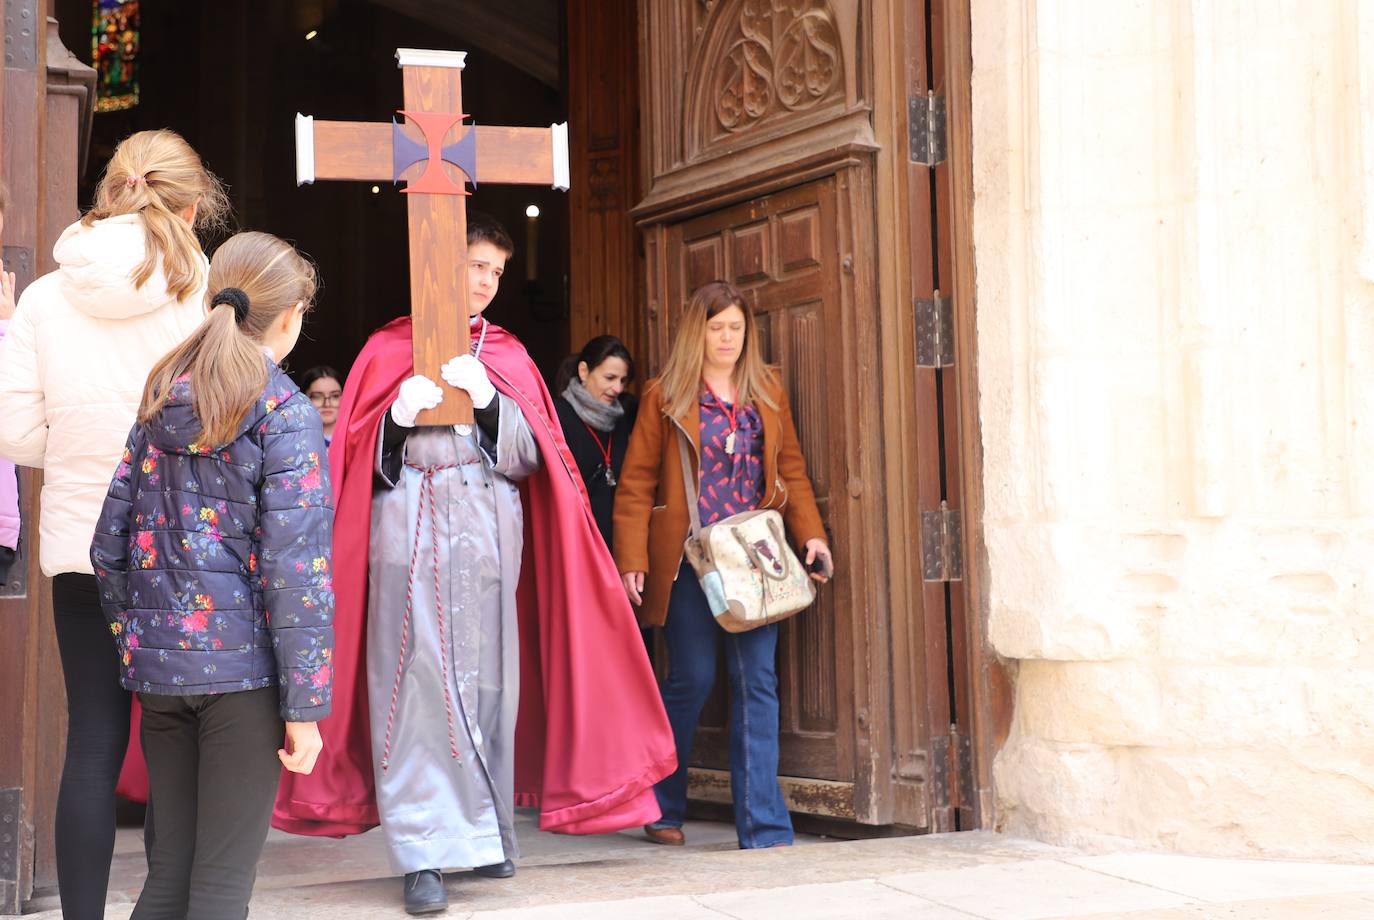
694, 642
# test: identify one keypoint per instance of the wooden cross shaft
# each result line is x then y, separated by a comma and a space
436, 198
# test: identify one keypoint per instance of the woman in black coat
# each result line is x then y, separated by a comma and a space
597, 416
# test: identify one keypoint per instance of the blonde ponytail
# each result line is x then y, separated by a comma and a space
157, 175
223, 358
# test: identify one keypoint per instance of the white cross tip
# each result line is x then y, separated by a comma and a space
562, 172
305, 149
419, 57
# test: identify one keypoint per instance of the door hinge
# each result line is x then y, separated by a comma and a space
926, 129
942, 545
939, 771
951, 770
12, 840
934, 331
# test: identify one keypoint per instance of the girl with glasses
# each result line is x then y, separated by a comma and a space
321, 384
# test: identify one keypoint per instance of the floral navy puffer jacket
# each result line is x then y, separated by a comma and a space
214, 563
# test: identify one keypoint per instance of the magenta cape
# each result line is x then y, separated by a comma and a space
591, 737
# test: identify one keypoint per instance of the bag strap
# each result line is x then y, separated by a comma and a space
689, 484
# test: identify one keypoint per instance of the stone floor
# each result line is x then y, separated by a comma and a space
944, 877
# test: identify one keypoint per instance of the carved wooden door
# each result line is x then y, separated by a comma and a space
771, 139
782, 251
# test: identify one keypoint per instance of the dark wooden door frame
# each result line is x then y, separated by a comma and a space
984, 690
47, 97
970, 715
980, 701
977, 711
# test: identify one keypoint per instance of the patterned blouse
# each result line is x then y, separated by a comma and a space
730, 483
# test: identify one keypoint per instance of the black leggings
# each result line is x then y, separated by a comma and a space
212, 763
97, 736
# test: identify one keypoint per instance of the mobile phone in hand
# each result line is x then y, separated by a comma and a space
820, 566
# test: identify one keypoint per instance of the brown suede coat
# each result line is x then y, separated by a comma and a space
651, 515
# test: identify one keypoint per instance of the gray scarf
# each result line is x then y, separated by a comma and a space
594, 412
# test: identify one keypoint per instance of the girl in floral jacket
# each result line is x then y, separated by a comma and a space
212, 555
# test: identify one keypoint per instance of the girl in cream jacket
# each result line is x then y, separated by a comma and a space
129, 287
72, 370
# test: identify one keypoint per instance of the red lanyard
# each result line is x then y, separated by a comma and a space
729, 414
606, 450
728, 410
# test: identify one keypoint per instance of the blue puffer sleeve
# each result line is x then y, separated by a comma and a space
110, 546
295, 537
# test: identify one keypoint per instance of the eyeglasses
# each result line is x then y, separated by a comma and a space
326, 399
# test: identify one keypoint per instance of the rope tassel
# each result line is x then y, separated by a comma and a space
426, 497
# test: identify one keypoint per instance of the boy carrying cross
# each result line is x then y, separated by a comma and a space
472, 587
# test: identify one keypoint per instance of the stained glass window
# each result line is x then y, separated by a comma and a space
114, 54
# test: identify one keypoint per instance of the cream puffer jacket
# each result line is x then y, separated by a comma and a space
72, 370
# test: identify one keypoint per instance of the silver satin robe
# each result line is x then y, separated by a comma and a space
443, 683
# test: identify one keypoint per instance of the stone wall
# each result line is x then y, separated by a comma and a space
1174, 234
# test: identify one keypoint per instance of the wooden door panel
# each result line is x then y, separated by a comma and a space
800, 356
703, 261
799, 234
775, 249
749, 254
809, 713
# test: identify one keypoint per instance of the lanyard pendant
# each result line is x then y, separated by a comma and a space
730, 443
610, 478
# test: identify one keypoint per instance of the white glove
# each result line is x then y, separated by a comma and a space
417, 394
467, 373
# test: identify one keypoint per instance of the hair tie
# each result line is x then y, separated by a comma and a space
234, 298
134, 180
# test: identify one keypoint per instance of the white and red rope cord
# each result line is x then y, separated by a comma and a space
426, 494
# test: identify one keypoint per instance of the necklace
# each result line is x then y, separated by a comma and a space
605, 453
465, 430
730, 412
481, 339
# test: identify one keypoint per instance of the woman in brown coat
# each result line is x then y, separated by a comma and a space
716, 391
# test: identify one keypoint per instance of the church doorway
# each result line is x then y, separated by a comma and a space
789, 146
755, 140
230, 77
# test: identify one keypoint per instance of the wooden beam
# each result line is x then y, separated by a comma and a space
438, 257
361, 151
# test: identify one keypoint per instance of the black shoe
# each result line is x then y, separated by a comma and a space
499, 870
425, 892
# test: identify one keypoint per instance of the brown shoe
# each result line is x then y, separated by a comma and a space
668, 836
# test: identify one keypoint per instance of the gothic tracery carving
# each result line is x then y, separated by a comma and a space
782, 55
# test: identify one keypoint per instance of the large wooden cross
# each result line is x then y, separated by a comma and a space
374, 151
